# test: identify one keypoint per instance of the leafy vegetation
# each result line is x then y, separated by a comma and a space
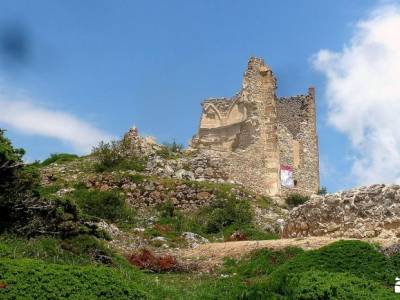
59, 158
22, 208
326, 285
338, 261
322, 190
355, 257
223, 213
219, 219
16, 182
108, 205
51, 251
260, 262
170, 150
33, 279
343, 270
114, 156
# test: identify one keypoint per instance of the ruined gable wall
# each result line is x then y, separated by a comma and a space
243, 130
255, 132
298, 141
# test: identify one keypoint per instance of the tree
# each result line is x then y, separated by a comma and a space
16, 181
23, 210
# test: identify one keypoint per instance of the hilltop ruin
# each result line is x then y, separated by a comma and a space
269, 144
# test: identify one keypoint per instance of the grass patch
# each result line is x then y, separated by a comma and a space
295, 199
264, 202
59, 158
82, 249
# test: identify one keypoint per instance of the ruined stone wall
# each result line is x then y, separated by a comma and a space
365, 212
298, 142
243, 130
255, 132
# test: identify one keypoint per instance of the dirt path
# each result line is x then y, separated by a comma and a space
209, 255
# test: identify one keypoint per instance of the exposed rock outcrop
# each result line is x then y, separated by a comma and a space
365, 212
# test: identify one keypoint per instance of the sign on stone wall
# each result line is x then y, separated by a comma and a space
287, 176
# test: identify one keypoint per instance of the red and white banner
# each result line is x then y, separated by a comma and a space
287, 176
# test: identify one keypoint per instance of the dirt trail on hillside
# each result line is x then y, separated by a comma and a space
209, 255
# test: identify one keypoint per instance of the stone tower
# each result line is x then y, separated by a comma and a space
268, 144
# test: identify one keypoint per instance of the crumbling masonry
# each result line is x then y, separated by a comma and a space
268, 144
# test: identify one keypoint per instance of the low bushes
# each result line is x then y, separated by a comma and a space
223, 213
260, 262
222, 217
34, 279
312, 285
358, 258
343, 270
323, 273
109, 205
115, 156
170, 150
322, 190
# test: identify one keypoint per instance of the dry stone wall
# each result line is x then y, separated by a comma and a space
143, 192
365, 212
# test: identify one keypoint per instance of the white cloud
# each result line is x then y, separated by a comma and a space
363, 94
33, 119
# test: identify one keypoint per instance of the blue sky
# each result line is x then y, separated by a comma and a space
99, 67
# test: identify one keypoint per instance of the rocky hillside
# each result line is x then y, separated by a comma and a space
137, 220
168, 197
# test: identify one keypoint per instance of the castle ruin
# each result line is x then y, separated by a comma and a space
269, 144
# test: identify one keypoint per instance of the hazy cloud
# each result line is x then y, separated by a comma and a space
33, 119
363, 94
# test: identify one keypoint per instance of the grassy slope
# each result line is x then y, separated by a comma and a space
345, 270
49, 268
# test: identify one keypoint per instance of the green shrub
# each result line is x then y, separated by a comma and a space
342, 270
23, 209
222, 213
170, 150
312, 285
358, 258
260, 262
16, 183
33, 279
395, 260
114, 156
296, 199
322, 190
109, 205
220, 217
59, 158
167, 210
